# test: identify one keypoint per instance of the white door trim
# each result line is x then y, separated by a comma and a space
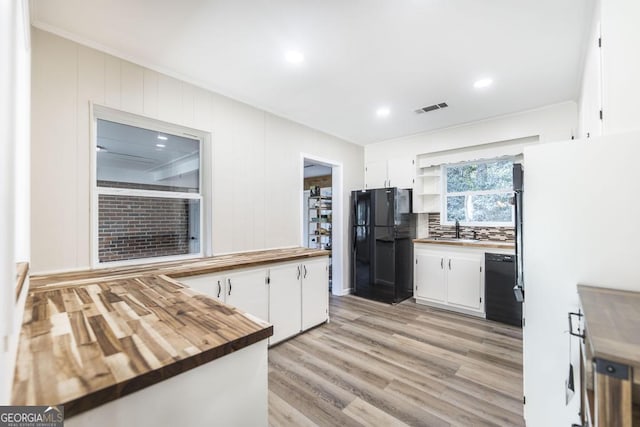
340, 283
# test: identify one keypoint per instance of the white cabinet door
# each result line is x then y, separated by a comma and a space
315, 292
401, 172
285, 301
463, 280
429, 276
375, 174
212, 285
248, 291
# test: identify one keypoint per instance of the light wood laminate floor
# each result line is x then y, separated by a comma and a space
382, 365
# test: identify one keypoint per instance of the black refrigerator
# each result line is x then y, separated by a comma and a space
518, 187
382, 244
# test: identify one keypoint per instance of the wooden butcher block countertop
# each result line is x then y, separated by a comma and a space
612, 321
468, 243
180, 268
91, 337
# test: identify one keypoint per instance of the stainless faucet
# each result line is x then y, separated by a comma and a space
457, 229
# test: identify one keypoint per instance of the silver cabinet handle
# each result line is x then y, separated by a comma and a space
305, 271
449, 263
219, 288
229, 282
298, 272
441, 262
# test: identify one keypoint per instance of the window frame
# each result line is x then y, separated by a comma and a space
444, 194
99, 112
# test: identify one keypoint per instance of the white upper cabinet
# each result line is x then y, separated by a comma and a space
399, 173
375, 174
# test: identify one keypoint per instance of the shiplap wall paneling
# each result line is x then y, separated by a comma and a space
91, 86
256, 156
132, 87
54, 217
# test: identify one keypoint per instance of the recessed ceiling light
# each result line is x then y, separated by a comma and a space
160, 145
294, 57
162, 137
482, 83
383, 112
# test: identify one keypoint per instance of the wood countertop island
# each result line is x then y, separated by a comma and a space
612, 318
611, 357
95, 336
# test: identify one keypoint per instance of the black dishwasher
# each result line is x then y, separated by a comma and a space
499, 280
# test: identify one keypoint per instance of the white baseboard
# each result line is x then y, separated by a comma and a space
341, 292
451, 308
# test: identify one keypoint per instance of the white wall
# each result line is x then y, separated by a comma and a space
256, 155
618, 83
14, 176
590, 102
579, 214
620, 65
551, 123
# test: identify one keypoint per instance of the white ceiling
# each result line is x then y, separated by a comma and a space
359, 54
313, 169
130, 154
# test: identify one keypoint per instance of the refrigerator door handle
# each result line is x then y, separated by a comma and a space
355, 236
354, 211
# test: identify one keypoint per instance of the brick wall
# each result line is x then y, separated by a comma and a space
133, 227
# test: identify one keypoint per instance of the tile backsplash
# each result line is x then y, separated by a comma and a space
503, 234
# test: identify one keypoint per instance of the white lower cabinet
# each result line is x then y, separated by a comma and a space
450, 278
429, 276
245, 289
464, 280
248, 290
299, 297
292, 296
285, 301
213, 285
315, 292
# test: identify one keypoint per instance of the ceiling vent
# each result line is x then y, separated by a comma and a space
433, 107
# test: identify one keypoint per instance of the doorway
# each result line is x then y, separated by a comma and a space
321, 212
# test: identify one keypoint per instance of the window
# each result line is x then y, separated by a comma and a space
147, 193
479, 193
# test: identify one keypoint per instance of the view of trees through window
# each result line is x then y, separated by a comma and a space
479, 192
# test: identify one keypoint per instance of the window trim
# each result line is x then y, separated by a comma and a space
100, 112
444, 194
